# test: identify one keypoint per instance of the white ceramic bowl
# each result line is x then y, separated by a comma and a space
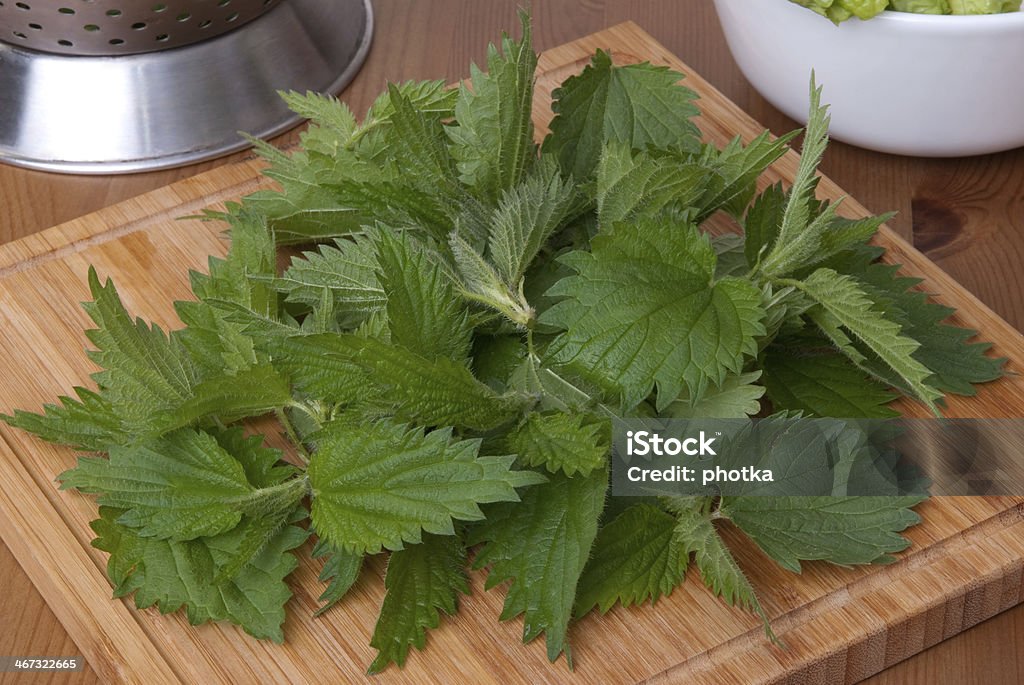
910, 84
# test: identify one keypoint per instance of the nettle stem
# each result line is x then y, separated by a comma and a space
291, 433
277, 498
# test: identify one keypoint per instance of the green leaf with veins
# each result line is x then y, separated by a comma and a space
844, 303
338, 180
957, 363
252, 255
731, 260
215, 344
182, 486
143, 370
340, 571
561, 442
263, 465
172, 574
88, 423
421, 155
333, 128
806, 375
541, 545
527, 216
762, 223
631, 184
799, 232
643, 310
738, 397
347, 270
349, 368
734, 172
695, 533
382, 485
637, 557
480, 282
424, 312
492, 139
422, 581
640, 105
252, 392
841, 530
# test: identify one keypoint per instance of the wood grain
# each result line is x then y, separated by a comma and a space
436, 40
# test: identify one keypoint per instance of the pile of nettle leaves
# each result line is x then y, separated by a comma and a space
448, 360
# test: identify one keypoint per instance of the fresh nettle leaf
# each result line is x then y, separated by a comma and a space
816, 380
424, 312
88, 423
844, 304
843, 530
230, 397
216, 344
695, 533
346, 270
182, 486
337, 181
382, 485
492, 141
419, 145
351, 369
735, 170
728, 249
252, 255
526, 218
143, 370
172, 575
947, 350
561, 442
644, 309
638, 556
334, 129
737, 398
640, 105
340, 572
631, 184
762, 223
481, 283
541, 545
422, 581
153, 382
799, 232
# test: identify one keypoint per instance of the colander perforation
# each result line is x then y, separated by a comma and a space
120, 27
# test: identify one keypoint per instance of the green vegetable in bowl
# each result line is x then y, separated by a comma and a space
841, 10
922, 6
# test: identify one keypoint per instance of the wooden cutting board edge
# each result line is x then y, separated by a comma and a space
42, 533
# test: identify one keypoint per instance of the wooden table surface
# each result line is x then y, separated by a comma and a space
967, 215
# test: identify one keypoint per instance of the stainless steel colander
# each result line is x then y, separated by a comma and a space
121, 27
110, 86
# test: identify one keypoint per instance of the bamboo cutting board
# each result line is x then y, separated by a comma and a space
839, 625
